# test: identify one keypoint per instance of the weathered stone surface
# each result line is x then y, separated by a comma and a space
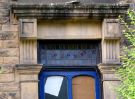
13, 95
29, 90
7, 68
111, 29
11, 60
99, 11
3, 95
10, 44
69, 29
9, 27
9, 95
4, 12
4, 0
108, 68
66, 1
0, 27
28, 77
109, 89
1, 60
6, 35
6, 77
1, 44
110, 77
10, 52
9, 87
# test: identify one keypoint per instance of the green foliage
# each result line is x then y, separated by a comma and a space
127, 72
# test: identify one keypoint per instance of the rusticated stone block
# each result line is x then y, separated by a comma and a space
3, 95
3, 52
13, 95
1, 44
10, 44
0, 27
4, 12
6, 77
11, 60
10, 52
9, 87
7, 68
13, 28
4, 0
6, 35
1, 60
9, 95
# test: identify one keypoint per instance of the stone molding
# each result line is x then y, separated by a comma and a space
96, 11
28, 68
108, 68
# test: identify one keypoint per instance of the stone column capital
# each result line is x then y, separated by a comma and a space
28, 68
108, 68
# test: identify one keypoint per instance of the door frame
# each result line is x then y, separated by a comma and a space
69, 72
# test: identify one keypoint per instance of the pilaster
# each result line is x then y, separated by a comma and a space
111, 36
28, 80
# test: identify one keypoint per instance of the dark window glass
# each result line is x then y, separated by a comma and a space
56, 87
69, 53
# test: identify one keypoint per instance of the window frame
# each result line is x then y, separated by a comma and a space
69, 75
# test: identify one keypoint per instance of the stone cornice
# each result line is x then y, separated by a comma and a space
99, 11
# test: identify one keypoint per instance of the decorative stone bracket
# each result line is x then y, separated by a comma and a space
111, 34
111, 29
28, 41
28, 28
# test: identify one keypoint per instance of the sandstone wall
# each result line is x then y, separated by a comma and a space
9, 53
18, 86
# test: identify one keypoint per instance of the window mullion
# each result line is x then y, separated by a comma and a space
69, 87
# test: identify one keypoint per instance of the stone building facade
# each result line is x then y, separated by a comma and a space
26, 25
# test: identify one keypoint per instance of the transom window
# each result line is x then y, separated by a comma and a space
69, 53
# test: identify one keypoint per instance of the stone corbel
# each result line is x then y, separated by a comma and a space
111, 34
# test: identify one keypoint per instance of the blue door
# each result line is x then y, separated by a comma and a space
69, 85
